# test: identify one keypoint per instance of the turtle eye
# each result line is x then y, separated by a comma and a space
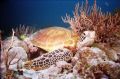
82, 36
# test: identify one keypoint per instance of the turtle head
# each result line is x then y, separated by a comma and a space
89, 34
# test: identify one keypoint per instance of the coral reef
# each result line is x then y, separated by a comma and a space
96, 48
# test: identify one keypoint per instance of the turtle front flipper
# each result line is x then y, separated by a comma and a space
48, 59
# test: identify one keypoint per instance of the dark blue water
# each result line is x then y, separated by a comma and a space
43, 13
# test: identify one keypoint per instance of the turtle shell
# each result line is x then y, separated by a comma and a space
53, 38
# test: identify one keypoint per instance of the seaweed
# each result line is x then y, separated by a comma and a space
106, 25
24, 31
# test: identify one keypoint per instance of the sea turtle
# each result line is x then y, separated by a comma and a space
53, 38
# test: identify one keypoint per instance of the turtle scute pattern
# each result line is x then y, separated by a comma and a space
48, 59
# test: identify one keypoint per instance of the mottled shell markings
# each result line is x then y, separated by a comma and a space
48, 59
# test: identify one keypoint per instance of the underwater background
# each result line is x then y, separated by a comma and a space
43, 13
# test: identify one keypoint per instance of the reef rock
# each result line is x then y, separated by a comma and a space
100, 53
111, 52
87, 57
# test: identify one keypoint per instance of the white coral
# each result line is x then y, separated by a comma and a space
21, 53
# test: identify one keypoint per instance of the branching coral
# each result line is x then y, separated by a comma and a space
106, 26
23, 31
